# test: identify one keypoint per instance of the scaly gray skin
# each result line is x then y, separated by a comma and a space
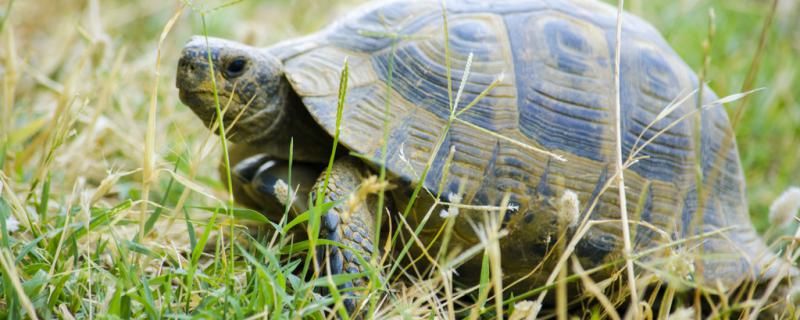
250, 83
269, 116
237, 66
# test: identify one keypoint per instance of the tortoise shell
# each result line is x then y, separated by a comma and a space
545, 126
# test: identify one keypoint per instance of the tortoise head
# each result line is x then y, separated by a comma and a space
249, 83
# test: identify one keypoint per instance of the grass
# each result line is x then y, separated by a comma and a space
619, 170
122, 214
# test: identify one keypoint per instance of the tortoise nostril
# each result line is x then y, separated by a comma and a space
185, 64
182, 63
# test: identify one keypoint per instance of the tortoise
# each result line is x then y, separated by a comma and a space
524, 129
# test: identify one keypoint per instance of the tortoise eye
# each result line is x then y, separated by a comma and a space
236, 67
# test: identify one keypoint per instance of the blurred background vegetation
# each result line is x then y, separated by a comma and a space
79, 78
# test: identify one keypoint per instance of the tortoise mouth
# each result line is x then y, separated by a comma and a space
206, 98
203, 104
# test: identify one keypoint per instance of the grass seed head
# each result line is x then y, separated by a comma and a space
370, 185
282, 192
679, 264
682, 314
12, 224
785, 207
525, 310
569, 209
451, 211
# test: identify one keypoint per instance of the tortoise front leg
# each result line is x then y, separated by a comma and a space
350, 223
262, 182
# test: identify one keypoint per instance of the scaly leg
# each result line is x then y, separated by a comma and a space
350, 222
262, 182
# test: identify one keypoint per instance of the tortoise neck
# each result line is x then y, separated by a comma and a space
296, 126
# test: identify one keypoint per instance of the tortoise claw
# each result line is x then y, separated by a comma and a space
333, 258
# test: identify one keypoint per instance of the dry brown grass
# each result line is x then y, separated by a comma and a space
94, 142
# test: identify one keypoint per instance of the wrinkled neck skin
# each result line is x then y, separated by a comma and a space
295, 124
265, 115
260, 100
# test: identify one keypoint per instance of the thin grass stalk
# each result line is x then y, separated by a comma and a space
194, 161
582, 229
382, 171
149, 174
425, 250
10, 270
772, 285
7, 14
65, 229
666, 303
338, 306
104, 97
683, 117
728, 140
493, 232
619, 169
62, 120
747, 86
292, 192
752, 72
595, 290
314, 222
561, 286
200, 245
424, 254
698, 150
483, 289
554, 156
446, 231
636, 217
447, 283
9, 88
223, 5
447, 64
226, 162
437, 146
191, 172
419, 187
668, 110
655, 293
7, 261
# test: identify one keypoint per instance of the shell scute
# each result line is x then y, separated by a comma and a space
562, 78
